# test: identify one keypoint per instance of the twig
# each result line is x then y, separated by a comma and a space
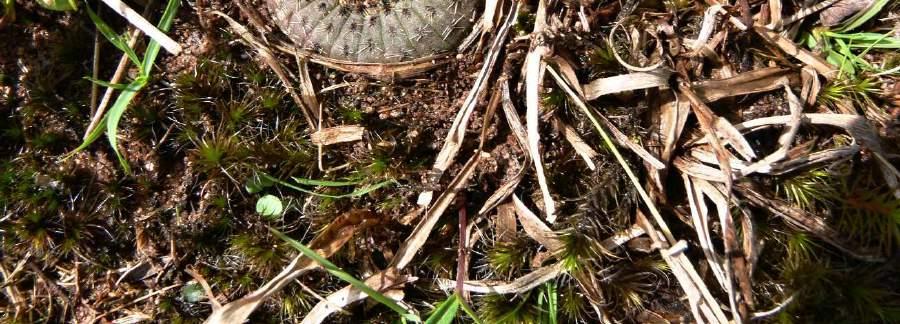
107, 96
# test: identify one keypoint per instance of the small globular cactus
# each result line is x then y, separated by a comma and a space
374, 31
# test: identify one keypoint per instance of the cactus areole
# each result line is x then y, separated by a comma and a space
375, 31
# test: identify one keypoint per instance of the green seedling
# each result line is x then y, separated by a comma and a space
336, 271
128, 92
269, 206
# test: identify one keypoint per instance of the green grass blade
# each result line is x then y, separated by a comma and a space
356, 193
549, 296
868, 40
445, 313
116, 86
115, 115
338, 272
93, 136
124, 100
113, 38
165, 23
863, 16
469, 311
325, 183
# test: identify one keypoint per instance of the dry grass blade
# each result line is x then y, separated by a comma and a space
703, 305
516, 286
326, 243
107, 95
505, 223
305, 83
786, 138
731, 136
823, 67
805, 221
855, 125
735, 267
700, 219
581, 147
381, 282
567, 70
487, 18
534, 74
673, 117
756, 81
803, 13
538, 276
535, 228
145, 26
656, 78
708, 123
706, 27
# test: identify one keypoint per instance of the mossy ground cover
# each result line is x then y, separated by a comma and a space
213, 140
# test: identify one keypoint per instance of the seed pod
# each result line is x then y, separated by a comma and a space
374, 31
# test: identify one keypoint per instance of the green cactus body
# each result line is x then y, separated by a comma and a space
374, 31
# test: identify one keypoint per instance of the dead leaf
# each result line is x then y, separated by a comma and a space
338, 134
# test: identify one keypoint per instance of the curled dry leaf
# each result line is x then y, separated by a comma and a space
656, 78
535, 228
756, 81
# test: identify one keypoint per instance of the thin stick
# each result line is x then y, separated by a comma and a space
117, 76
95, 69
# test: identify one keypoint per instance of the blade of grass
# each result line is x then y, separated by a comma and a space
445, 313
115, 114
469, 311
117, 86
867, 40
124, 100
165, 23
338, 272
112, 37
547, 302
356, 193
325, 183
607, 140
863, 16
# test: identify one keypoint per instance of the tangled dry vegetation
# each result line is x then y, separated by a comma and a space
574, 161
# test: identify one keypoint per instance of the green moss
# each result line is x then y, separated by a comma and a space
507, 258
